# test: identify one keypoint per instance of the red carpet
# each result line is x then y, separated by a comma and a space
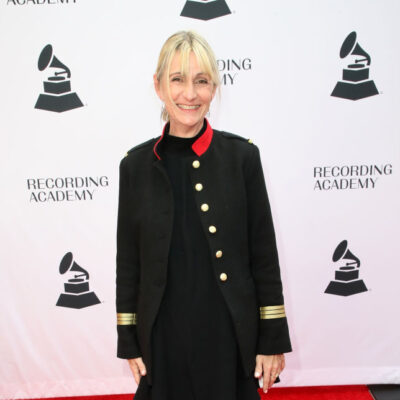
296, 393
319, 393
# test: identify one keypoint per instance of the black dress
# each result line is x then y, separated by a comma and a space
195, 352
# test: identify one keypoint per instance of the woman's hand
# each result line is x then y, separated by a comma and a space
137, 367
269, 367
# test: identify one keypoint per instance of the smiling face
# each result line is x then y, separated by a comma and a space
187, 97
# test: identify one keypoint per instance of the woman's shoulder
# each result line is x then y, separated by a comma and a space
232, 136
233, 140
143, 145
139, 154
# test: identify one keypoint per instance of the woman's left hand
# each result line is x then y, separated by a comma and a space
269, 367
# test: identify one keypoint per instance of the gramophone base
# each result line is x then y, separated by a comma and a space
205, 11
346, 288
76, 288
354, 91
58, 103
77, 301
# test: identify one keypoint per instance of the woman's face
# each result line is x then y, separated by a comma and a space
190, 96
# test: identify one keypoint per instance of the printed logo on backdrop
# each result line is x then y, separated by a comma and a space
38, 2
347, 281
205, 9
76, 290
57, 95
65, 189
355, 83
231, 68
350, 177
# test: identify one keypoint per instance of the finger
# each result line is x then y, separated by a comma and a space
136, 374
283, 363
258, 369
135, 370
266, 382
266, 377
276, 368
140, 364
273, 375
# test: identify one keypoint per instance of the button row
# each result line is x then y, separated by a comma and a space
212, 229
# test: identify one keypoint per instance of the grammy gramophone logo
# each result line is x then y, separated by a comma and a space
76, 290
205, 9
57, 94
355, 83
347, 280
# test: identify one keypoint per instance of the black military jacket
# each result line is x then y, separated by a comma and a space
230, 193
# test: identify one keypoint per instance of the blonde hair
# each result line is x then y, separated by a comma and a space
186, 42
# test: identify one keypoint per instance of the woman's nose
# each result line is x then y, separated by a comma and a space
190, 91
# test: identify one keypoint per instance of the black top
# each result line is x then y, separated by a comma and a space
195, 353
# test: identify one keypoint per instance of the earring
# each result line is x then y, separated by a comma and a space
164, 113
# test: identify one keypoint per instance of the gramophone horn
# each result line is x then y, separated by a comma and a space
47, 59
350, 46
67, 264
343, 253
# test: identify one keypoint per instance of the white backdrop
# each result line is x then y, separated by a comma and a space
280, 98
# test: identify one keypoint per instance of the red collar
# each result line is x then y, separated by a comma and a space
200, 146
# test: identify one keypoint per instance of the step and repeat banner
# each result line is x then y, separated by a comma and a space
315, 84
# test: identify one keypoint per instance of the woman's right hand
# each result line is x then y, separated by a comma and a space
137, 367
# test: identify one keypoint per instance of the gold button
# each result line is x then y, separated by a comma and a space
250, 141
196, 164
199, 187
223, 277
212, 229
218, 254
204, 207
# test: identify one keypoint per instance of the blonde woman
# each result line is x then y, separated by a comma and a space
199, 295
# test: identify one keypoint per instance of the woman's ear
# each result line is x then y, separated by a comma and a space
157, 87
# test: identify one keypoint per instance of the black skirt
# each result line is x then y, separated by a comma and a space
194, 346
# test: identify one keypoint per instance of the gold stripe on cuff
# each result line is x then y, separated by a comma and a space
272, 312
270, 308
273, 316
126, 319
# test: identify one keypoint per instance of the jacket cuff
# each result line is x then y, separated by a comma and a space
273, 337
128, 345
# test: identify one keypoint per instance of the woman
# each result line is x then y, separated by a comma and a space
199, 296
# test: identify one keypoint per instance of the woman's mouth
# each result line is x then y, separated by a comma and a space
186, 107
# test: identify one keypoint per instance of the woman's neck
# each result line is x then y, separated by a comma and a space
184, 131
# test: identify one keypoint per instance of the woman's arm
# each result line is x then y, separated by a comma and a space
264, 263
127, 270
273, 338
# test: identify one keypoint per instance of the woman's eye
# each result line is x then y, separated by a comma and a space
202, 81
177, 79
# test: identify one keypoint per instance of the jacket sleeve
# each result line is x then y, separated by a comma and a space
127, 271
273, 329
